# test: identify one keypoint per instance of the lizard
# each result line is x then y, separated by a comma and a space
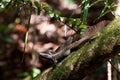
64, 49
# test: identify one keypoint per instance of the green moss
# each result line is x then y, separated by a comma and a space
104, 43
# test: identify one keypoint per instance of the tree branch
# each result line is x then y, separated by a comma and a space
91, 55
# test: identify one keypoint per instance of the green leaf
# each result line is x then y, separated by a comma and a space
62, 19
23, 74
6, 38
57, 15
4, 3
76, 22
109, 6
38, 7
85, 10
47, 9
35, 72
51, 14
83, 26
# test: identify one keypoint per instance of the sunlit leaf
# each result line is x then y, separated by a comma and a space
76, 23
4, 3
51, 14
57, 15
62, 19
83, 26
35, 72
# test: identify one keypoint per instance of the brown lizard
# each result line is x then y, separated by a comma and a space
64, 49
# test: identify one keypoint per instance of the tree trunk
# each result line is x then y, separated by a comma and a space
91, 55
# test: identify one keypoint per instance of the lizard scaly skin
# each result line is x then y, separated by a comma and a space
87, 34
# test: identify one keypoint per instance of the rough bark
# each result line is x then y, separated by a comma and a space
91, 55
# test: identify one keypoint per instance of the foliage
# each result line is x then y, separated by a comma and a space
4, 3
30, 75
74, 23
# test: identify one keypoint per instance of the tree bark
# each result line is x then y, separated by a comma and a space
88, 57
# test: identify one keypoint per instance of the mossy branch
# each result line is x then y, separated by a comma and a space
88, 57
